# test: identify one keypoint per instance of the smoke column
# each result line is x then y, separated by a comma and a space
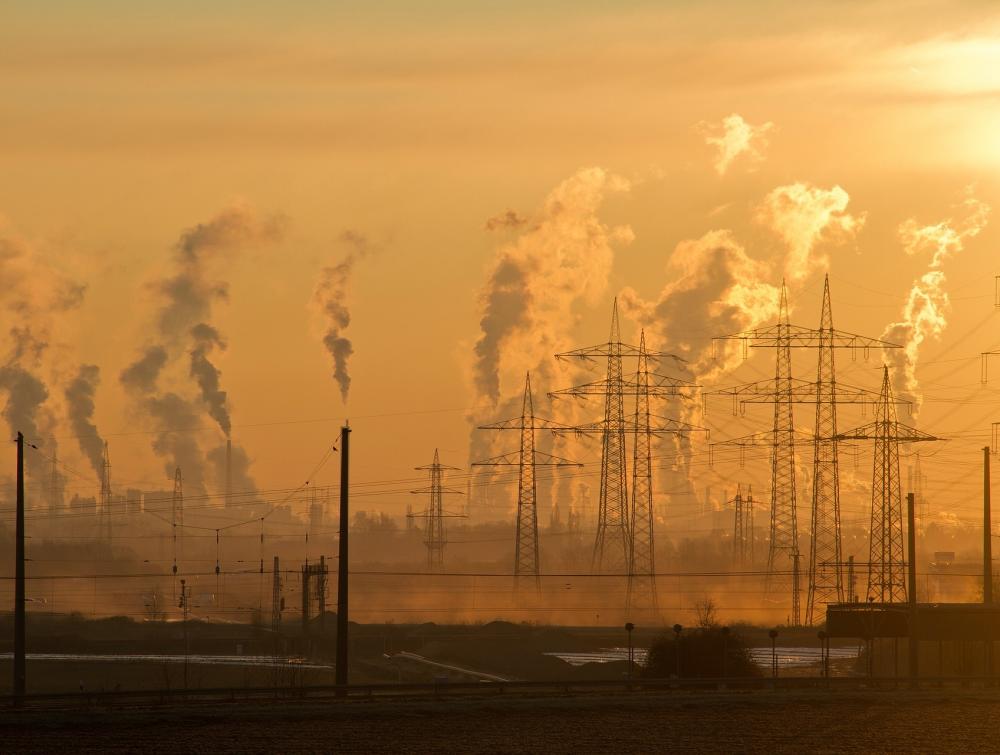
35, 300
733, 138
207, 375
927, 305
80, 410
717, 288
803, 215
553, 261
184, 327
329, 302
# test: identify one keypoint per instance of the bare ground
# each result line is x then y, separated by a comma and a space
952, 721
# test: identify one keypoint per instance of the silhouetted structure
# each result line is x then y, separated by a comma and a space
625, 536
277, 602
435, 536
887, 563
825, 570
526, 459
313, 588
106, 531
743, 532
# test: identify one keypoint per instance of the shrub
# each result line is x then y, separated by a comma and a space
700, 653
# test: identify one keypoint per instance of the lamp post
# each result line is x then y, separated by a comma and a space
725, 652
824, 652
677, 647
629, 626
773, 634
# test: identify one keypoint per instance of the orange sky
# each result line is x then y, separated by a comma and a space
123, 125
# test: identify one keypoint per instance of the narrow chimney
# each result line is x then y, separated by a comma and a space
229, 472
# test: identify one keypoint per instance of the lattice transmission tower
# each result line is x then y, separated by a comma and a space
613, 542
743, 530
106, 526
887, 562
629, 528
527, 458
825, 563
435, 534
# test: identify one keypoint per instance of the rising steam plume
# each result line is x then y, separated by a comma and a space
733, 139
187, 294
925, 312
330, 303
716, 287
80, 394
549, 263
36, 299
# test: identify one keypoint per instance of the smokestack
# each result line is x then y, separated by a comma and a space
229, 472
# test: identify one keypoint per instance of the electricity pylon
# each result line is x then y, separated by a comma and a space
743, 532
613, 542
177, 515
106, 496
639, 531
276, 600
887, 563
825, 573
435, 537
526, 459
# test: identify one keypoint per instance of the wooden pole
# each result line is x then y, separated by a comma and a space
20, 674
913, 638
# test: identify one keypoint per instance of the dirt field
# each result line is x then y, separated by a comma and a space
758, 722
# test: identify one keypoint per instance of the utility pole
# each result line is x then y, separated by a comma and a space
185, 606
851, 587
886, 578
913, 635
20, 673
987, 531
342, 573
527, 459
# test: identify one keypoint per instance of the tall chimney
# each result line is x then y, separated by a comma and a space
229, 472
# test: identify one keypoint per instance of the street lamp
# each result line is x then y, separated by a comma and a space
824, 652
725, 652
773, 634
677, 647
629, 626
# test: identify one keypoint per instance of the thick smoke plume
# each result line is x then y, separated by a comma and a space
329, 302
207, 375
35, 299
734, 138
927, 305
716, 288
26, 394
803, 216
562, 257
187, 295
80, 395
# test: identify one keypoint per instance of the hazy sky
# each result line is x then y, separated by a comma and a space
601, 126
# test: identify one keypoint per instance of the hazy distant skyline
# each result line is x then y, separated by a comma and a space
597, 128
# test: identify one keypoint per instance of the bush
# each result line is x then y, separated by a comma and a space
701, 655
